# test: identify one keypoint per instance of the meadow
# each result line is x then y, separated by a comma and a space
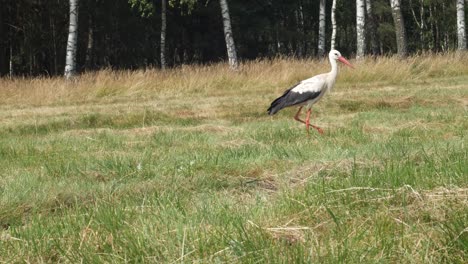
185, 166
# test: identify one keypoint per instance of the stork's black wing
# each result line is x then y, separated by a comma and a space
293, 97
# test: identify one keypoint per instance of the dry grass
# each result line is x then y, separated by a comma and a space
271, 76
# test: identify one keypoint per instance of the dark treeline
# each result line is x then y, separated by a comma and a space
113, 34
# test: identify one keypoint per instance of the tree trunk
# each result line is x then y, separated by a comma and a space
420, 22
360, 30
89, 48
231, 48
11, 70
3, 48
435, 28
54, 45
422, 25
163, 34
333, 21
372, 26
70, 61
300, 26
277, 40
399, 28
322, 24
432, 44
461, 24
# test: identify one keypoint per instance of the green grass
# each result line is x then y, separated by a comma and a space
201, 174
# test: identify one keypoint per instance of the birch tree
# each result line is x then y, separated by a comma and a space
400, 31
372, 28
333, 21
321, 37
146, 9
419, 22
231, 48
301, 48
2, 54
360, 32
461, 25
163, 33
70, 61
90, 45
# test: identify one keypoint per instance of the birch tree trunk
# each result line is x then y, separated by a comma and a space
163, 34
333, 21
301, 47
420, 22
432, 44
70, 61
10, 62
231, 48
372, 26
321, 38
89, 48
360, 31
461, 24
54, 44
2, 52
399, 28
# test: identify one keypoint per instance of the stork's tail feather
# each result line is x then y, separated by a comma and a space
277, 104
280, 102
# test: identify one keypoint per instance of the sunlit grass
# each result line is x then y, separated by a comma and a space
185, 166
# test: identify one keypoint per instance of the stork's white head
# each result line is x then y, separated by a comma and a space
336, 55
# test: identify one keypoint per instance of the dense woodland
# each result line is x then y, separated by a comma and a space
126, 34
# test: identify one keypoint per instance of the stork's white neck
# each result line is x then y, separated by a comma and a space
334, 68
331, 78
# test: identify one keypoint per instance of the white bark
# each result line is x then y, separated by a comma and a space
11, 72
321, 37
372, 28
333, 21
70, 61
90, 46
461, 24
163, 34
420, 22
360, 32
399, 28
301, 47
231, 48
54, 41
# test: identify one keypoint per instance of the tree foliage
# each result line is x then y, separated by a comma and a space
145, 7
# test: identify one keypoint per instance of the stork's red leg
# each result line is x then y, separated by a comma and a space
296, 117
307, 122
316, 127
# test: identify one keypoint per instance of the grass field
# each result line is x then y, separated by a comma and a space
185, 166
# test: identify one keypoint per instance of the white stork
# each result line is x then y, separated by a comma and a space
309, 91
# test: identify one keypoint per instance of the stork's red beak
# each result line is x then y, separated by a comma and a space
345, 61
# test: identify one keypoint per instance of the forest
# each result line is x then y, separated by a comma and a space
139, 34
